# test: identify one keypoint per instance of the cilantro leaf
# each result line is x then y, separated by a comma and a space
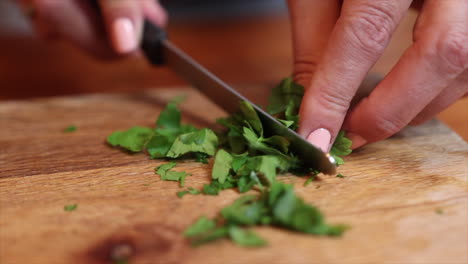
70, 128
341, 147
167, 175
133, 139
203, 141
251, 117
190, 190
203, 224
170, 117
201, 157
246, 238
70, 207
222, 166
285, 100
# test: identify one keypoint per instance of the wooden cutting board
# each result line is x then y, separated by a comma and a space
406, 198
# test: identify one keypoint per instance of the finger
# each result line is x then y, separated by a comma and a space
361, 34
123, 20
456, 90
154, 12
311, 22
437, 57
73, 21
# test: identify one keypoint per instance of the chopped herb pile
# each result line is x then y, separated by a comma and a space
245, 159
69, 129
277, 206
70, 207
169, 139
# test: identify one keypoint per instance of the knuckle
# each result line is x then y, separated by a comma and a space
304, 68
452, 51
386, 126
371, 27
334, 100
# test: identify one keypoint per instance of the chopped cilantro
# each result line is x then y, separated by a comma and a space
202, 141
341, 147
246, 238
71, 128
203, 224
222, 166
201, 157
311, 178
132, 140
169, 139
339, 175
70, 207
278, 206
167, 175
285, 100
190, 190
246, 159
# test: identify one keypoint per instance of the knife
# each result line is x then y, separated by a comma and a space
159, 50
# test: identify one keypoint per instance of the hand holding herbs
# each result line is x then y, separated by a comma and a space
243, 159
338, 43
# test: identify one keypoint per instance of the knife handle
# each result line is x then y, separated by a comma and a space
152, 39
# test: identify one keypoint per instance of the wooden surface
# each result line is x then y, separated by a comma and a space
390, 196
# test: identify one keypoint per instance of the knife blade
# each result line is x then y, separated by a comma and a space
158, 49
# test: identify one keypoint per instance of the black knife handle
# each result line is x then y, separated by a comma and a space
152, 43
152, 39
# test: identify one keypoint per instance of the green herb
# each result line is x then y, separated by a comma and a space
222, 166
132, 140
341, 147
202, 225
340, 175
190, 190
70, 128
284, 102
439, 211
278, 206
246, 159
167, 175
201, 157
70, 207
246, 238
311, 178
169, 139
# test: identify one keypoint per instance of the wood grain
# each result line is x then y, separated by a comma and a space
389, 196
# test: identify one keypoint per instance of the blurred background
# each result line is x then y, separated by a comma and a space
247, 43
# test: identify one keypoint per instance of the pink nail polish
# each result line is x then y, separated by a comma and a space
320, 138
124, 35
357, 140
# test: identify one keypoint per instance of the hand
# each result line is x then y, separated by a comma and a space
336, 45
77, 22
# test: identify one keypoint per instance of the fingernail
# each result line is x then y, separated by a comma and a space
357, 140
124, 35
320, 138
